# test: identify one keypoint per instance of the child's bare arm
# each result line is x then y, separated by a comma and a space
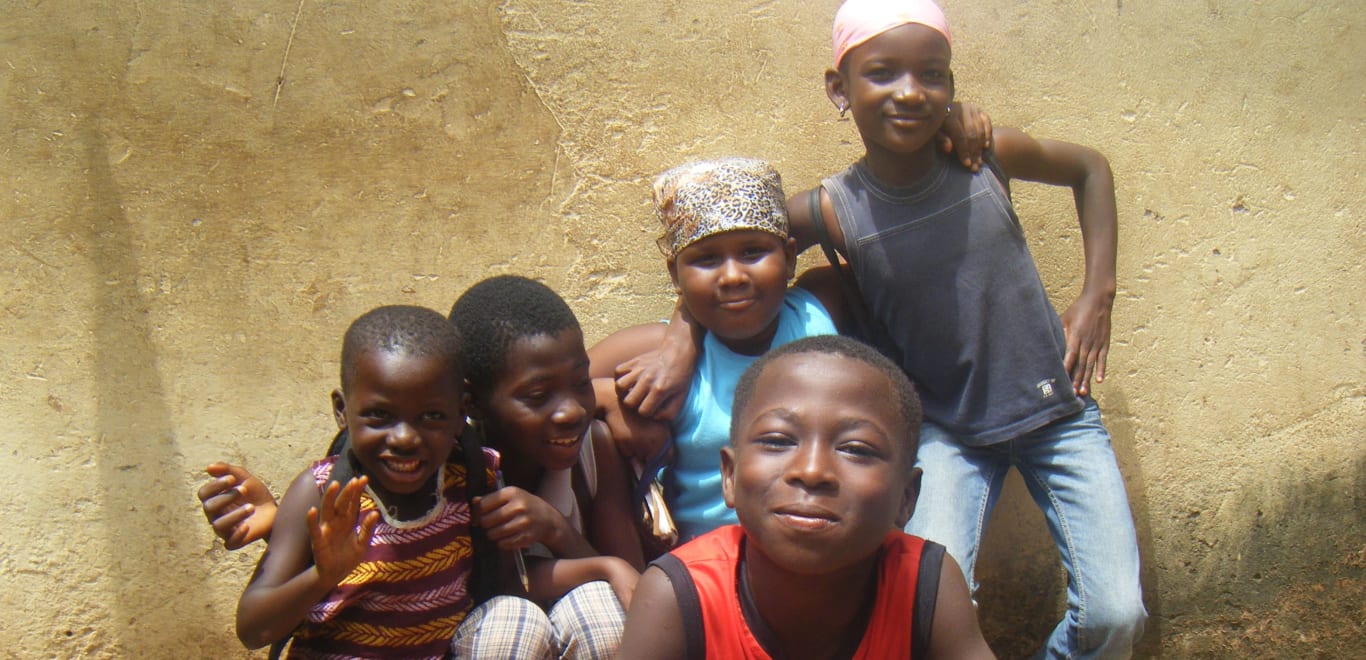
319, 541
553, 578
955, 633
613, 526
652, 363
1087, 172
516, 519
237, 505
654, 625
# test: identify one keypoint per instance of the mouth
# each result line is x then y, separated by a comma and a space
403, 471
736, 305
806, 518
570, 441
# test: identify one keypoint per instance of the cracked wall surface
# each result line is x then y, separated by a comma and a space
202, 195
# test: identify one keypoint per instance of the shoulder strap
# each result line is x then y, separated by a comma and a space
689, 604
926, 595
484, 575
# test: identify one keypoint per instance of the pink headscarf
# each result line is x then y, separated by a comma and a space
858, 21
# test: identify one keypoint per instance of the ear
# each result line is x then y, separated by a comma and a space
672, 265
836, 88
728, 475
339, 408
790, 251
908, 498
951, 87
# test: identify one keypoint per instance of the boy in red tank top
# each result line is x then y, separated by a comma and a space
820, 473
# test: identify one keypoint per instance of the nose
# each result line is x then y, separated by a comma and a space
811, 467
403, 437
908, 90
732, 273
569, 412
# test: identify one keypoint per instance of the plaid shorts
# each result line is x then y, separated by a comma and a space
585, 624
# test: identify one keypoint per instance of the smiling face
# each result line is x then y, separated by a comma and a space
898, 87
404, 414
542, 401
818, 471
734, 283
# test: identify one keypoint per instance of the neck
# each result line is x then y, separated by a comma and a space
410, 506
814, 616
756, 345
898, 169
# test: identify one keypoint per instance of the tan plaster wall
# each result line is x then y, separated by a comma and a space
201, 195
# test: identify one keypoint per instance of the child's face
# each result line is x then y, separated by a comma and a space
898, 87
733, 284
404, 414
540, 405
816, 471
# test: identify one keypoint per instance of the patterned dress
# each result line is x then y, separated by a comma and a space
409, 594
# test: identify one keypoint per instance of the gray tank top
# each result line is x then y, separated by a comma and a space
945, 267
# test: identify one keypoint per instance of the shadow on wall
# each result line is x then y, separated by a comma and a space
1288, 564
140, 466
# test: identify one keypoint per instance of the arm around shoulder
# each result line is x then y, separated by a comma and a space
654, 624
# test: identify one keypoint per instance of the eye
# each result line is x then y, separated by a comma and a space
860, 450
433, 416
773, 441
755, 253
376, 417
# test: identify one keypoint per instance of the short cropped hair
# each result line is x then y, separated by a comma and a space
495, 313
908, 402
401, 329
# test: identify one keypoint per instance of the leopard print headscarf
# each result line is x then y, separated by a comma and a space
709, 197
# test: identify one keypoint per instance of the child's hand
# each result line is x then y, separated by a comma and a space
338, 533
515, 519
238, 506
654, 384
1087, 327
967, 131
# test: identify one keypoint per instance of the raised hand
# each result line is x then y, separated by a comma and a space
966, 131
338, 532
237, 505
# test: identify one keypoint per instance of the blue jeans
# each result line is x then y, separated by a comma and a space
1070, 470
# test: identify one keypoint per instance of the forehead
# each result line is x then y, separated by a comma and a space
533, 355
911, 41
824, 382
402, 370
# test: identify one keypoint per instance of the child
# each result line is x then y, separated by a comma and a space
567, 497
338, 573
728, 252
942, 262
820, 471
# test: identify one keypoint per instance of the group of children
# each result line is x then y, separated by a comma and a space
479, 502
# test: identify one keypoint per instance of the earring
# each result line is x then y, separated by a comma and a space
844, 108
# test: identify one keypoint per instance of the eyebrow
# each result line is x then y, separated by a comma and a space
844, 424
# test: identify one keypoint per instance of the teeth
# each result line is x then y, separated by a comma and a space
402, 466
564, 443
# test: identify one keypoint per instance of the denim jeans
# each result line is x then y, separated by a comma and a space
1070, 470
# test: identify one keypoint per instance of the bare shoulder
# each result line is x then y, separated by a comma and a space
955, 632
654, 626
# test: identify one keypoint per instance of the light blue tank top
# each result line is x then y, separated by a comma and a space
693, 481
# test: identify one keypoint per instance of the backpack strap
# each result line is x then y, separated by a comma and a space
926, 595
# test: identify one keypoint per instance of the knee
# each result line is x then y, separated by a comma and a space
1114, 623
504, 626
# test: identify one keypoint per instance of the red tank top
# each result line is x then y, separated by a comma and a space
704, 575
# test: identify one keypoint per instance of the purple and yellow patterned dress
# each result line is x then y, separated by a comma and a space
409, 594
